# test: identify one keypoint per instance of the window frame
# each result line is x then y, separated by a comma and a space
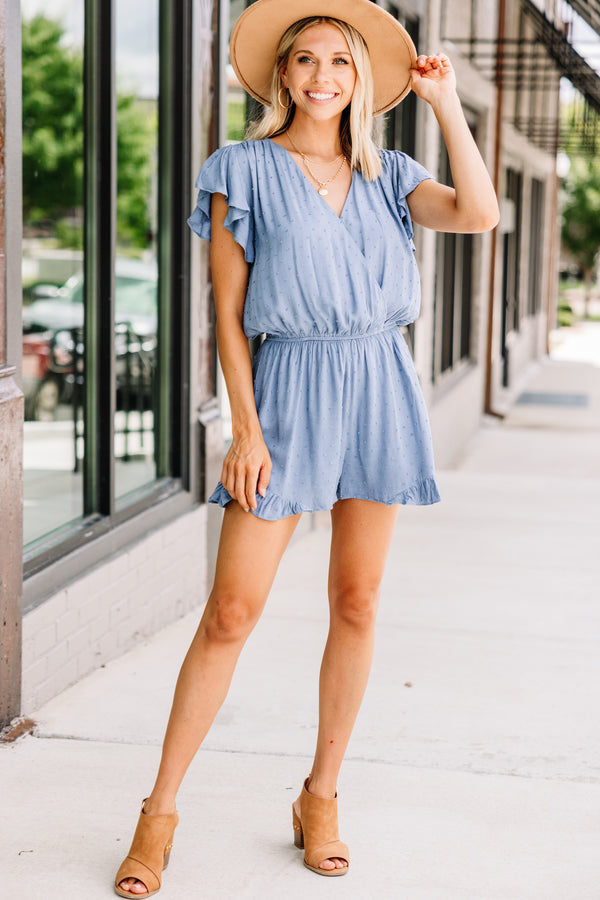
64, 549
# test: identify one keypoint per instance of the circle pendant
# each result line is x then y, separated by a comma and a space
323, 192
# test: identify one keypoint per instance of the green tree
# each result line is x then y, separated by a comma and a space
53, 138
52, 122
581, 217
137, 124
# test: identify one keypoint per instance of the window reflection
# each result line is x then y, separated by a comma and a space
136, 303
52, 262
239, 109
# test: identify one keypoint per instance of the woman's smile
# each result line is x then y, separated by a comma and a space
321, 96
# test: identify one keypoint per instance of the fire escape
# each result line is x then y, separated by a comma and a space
535, 46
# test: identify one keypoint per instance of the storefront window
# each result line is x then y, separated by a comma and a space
52, 262
105, 94
400, 122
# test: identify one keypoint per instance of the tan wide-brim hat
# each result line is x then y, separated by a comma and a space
259, 29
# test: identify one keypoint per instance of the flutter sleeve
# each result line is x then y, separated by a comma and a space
226, 172
404, 174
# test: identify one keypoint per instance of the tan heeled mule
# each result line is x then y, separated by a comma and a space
149, 853
316, 832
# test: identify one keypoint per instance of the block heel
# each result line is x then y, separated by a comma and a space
298, 833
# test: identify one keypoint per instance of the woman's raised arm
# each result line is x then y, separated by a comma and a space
247, 465
471, 205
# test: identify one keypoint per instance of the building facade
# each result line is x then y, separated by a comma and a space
110, 409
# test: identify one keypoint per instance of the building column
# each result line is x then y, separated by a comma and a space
11, 398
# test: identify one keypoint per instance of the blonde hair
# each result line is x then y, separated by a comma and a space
356, 126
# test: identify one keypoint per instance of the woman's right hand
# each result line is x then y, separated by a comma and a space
246, 470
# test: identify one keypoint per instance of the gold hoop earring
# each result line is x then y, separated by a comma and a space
283, 106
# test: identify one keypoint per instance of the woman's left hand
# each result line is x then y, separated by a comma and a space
433, 77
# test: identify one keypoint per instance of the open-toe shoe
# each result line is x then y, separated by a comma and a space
149, 853
316, 832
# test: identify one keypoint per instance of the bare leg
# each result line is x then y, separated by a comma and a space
249, 553
360, 541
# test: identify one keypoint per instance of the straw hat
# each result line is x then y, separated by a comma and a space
259, 29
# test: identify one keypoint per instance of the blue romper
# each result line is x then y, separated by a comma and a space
337, 395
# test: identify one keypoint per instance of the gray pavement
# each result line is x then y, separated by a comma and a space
474, 769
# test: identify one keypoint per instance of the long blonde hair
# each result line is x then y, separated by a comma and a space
356, 126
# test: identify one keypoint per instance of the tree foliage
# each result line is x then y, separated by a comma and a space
580, 195
52, 122
53, 138
581, 214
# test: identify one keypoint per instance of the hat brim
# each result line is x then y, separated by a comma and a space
259, 29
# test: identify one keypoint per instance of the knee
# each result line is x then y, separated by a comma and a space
228, 619
355, 606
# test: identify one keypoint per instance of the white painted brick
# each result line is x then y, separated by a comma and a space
171, 594
34, 672
126, 585
41, 642
57, 658
78, 641
170, 575
119, 614
195, 583
154, 586
67, 624
155, 541
47, 689
172, 536
115, 606
47, 613
88, 661
138, 556
140, 602
101, 650
120, 641
27, 649
84, 587
117, 568
180, 608
103, 602
67, 674
147, 571
92, 608
99, 627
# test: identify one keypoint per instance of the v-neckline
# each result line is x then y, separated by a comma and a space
308, 183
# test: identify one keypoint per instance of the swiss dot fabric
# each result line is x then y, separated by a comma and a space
338, 398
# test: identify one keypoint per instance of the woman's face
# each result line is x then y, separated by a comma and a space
320, 73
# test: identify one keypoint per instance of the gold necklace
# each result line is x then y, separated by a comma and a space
322, 184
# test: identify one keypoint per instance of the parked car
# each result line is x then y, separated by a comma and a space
53, 351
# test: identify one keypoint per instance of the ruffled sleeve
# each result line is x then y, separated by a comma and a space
227, 172
404, 174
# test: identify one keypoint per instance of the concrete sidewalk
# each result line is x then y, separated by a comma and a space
474, 770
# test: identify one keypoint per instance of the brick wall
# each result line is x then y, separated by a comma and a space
118, 603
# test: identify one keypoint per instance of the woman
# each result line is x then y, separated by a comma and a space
311, 242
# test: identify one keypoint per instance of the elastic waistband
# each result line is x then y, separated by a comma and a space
304, 338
